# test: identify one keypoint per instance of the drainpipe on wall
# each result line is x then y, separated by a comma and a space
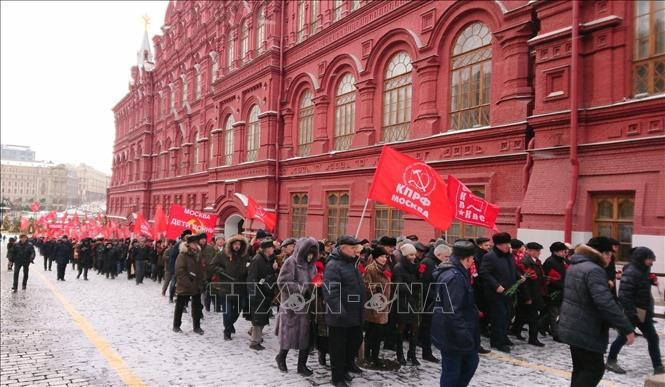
574, 105
278, 109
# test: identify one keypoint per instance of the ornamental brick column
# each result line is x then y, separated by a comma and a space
184, 162
268, 125
215, 135
365, 132
515, 93
287, 147
427, 120
321, 142
239, 142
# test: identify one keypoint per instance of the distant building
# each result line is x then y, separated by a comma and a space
91, 183
16, 153
25, 182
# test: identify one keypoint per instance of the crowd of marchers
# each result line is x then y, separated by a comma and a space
350, 298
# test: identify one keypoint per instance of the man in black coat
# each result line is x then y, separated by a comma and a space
455, 320
261, 278
530, 297
440, 254
499, 273
589, 310
555, 273
344, 295
637, 302
23, 254
49, 249
63, 253
85, 257
140, 254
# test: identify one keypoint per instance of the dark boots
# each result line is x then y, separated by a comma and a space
322, 358
411, 356
302, 363
281, 359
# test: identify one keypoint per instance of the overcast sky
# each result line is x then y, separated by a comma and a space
64, 65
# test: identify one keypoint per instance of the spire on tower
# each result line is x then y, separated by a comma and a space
144, 57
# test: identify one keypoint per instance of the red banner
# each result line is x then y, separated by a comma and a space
412, 186
255, 211
470, 208
160, 220
34, 207
141, 228
181, 219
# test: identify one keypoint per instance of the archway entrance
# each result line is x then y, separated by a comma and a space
233, 225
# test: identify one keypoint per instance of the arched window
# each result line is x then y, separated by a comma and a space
260, 29
244, 40
195, 158
471, 76
397, 98
228, 140
345, 112
301, 20
214, 67
338, 5
313, 16
157, 161
649, 56
253, 134
211, 154
172, 97
355, 4
305, 123
230, 43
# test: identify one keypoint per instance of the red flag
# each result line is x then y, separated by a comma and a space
410, 185
51, 215
470, 208
25, 223
255, 211
181, 218
141, 227
160, 220
75, 221
64, 217
34, 207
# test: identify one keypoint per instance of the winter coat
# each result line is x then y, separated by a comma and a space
189, 275
10, 251
294, 282
261, 279
64, 252
497, 268
555, 270
455, 317
230, 267
111, 259
430, 262
208, 252
588, 309
409, 292
85, 254
635, 289
23, 253
377, 286
140, 253
532, 289
163, 258
48, 249
343, 291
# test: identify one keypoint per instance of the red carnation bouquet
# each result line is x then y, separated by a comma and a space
653, 278
388, 274
361, 267
317, 280
421, 268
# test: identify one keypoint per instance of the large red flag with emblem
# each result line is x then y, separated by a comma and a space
141, 227
181, 219
470, 208
160, 220
410, 185
255, 211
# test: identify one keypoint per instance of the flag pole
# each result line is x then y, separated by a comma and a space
362, 216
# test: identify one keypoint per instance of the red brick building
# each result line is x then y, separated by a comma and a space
560, 123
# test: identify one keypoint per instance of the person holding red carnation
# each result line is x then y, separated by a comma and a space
530, 297
408, 280
555, 273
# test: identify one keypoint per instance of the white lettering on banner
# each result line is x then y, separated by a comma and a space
198, 214
471, 212
191, 226
411, 194
408, 203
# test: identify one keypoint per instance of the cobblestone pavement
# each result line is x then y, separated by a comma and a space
43, 345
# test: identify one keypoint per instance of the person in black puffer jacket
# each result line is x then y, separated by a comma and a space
23, 254
85, 250
637, 302
588, 311
408, 279
344, 295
